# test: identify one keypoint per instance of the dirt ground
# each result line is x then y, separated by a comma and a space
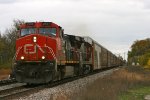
4, 73
110, 87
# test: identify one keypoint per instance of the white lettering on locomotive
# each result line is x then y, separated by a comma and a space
27, 50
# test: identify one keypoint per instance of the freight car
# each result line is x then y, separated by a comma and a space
44, 54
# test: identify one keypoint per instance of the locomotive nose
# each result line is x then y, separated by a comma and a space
36, 47
33, 48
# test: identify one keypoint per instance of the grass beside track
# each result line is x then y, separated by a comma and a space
137, 93
129, 83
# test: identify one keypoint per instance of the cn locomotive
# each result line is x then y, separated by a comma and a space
45, 54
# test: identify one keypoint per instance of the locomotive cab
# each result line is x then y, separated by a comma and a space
37, 49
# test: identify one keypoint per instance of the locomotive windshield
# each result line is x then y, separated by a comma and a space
48, 31
27, 31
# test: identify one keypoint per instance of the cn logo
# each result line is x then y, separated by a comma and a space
27, 49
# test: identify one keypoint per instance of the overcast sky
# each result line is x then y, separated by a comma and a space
113, 23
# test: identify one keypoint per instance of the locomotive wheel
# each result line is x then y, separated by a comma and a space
76, 70
86, 69
59, 75
62, 72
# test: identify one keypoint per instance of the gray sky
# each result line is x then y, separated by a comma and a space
113, 23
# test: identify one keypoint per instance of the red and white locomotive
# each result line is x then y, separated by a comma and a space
44, 53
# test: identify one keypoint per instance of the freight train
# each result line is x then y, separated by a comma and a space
45, 54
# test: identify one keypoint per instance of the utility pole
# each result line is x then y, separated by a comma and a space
124, 55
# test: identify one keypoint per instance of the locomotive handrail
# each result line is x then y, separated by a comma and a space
13, 60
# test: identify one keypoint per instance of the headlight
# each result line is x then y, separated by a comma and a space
43, 57
34, 39
22, 57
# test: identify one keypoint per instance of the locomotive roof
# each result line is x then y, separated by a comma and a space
33, 23
89, 38
94, 41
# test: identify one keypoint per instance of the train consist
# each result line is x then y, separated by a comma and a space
44, 54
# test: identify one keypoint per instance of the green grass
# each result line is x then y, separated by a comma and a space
137, 93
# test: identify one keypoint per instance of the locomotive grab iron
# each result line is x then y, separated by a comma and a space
44, 54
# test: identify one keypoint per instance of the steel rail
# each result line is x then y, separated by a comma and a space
7, 82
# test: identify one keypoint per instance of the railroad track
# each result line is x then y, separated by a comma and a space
5, 91
24, 90
7, 82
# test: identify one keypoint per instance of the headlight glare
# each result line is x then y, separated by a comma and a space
34, 39
22, 57
43, 57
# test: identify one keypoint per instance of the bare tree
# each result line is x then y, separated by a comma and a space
7, 41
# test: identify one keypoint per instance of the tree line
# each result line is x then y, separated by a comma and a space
7, 43
140, 53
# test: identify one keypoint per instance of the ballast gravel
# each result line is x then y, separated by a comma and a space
67, 90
